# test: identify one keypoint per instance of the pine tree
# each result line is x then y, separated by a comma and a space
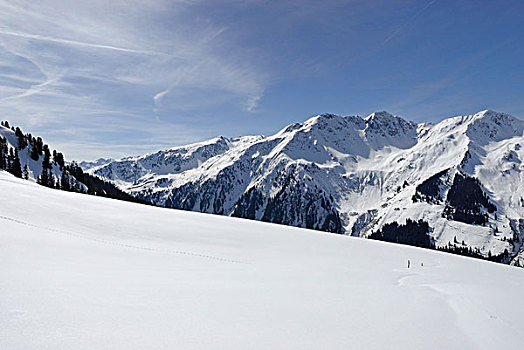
16, 168
43, 179
47, 178
51, 180
34, 153
22, 142
46, 163
3, 153
39, 143
59, 159
26, 173
66, 186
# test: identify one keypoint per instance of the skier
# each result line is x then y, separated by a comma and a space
409, 262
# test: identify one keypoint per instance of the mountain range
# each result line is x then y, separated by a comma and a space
455, 185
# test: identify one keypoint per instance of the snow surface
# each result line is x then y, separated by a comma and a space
82, 272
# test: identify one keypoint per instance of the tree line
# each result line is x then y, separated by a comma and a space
415, 233
71, 177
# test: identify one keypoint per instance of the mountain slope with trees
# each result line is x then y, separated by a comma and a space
28, 157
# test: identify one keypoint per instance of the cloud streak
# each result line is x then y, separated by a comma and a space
77, 43
131, 72
396, 32
158, 61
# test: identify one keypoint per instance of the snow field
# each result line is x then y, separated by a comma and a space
81, 272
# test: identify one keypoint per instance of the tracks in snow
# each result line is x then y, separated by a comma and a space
124, 245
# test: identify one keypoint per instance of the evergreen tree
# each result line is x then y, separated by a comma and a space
51, 180
39, 143
58, 158
34, 153
43, 179
10, 159
46, 177
46, 163
22, 142
15, 167
3, 153
26, 173
66, 186
414, 233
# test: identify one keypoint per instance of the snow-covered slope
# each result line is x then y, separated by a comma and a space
352, 175
34, 167
28, 157
97, 163
83, 272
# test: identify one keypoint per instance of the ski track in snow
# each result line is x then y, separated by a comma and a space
124, 245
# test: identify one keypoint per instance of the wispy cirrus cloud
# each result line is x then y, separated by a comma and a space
409, 21
76, 43
61, 62
129, 73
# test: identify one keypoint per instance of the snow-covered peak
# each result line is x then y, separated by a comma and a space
86, 165
380, 115
378, 123
497, 117
488, 126
219, 141
388, 122
318, 122
383, 129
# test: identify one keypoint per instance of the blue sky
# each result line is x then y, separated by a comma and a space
115, 78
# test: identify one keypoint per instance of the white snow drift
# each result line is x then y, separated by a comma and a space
81, 272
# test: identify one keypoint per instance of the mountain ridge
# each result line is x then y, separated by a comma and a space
347, 174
